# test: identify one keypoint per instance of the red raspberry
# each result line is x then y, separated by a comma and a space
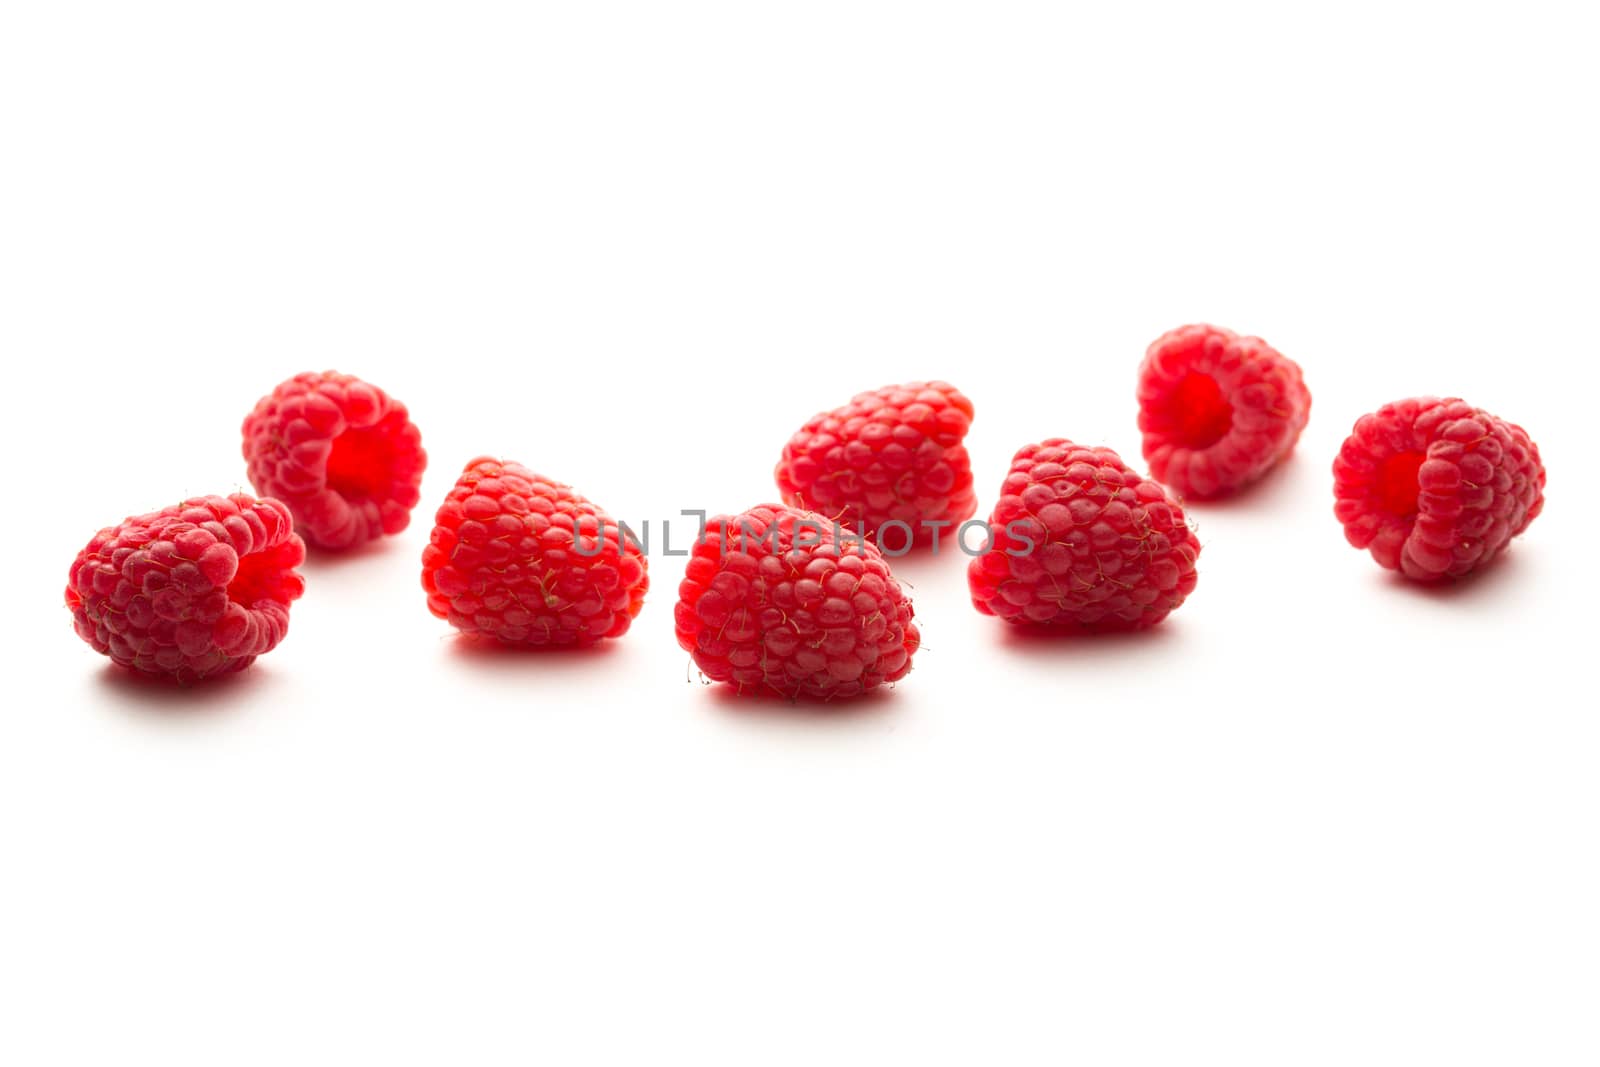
1079, 539
527, 561
775, 600
1436, 488
191, 591
894, 454
341, 453
1217, 410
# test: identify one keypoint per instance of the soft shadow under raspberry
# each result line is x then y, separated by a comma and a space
145, 694
1272, 490
481, 653
1067, 642
1499, 579
878, 702
318, 557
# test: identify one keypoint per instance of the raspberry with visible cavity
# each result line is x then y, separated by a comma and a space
1080, 540
891, 455
525, 560
1436, 488
776, 601
341, 453
1217, 410
191, 591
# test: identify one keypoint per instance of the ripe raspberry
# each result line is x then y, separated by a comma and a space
894, 454
1217, 410
191, 591
775, 601
527, 561
1079, 539
341, 453
1436, 488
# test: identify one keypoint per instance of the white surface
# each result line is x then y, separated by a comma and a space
1319, 817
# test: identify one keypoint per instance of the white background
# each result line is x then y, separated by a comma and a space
1318, 817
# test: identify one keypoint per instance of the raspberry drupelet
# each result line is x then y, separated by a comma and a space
191, 591
1081, 541
527, 561
1217, 410
1436, 489
341, 453
892, 454
775, 601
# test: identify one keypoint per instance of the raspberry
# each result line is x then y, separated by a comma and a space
1079, 539
527, 561
1436, 488
776, 601
891, 455
341, 453
1217, 410
191, 591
